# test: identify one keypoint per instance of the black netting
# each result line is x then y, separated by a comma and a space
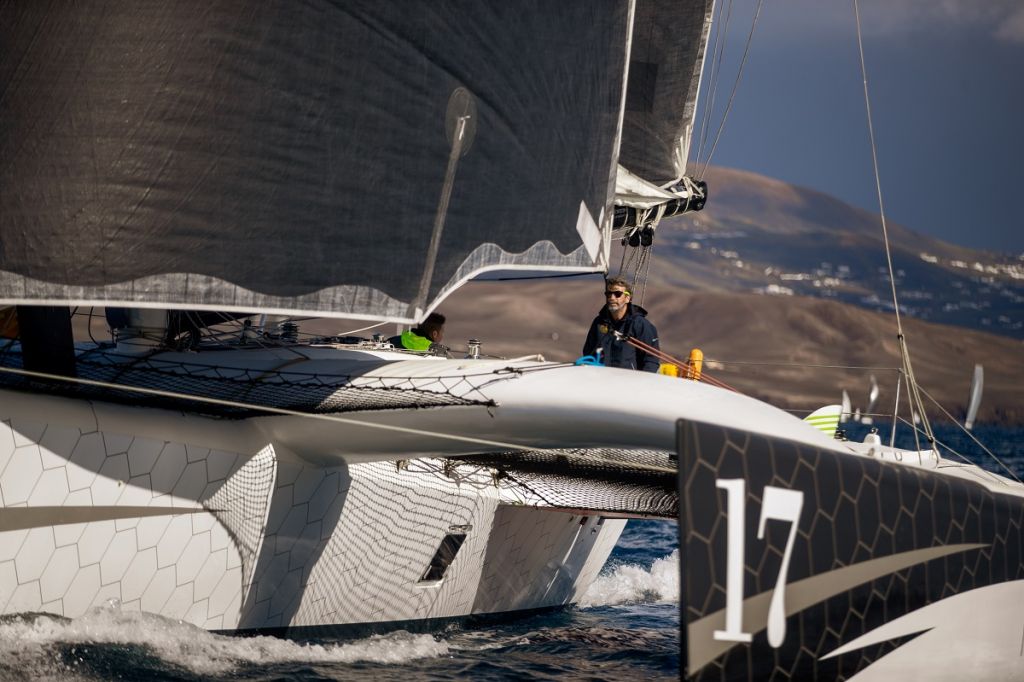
240, 504
238, 393
615, 481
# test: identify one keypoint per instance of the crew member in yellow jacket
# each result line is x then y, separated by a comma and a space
426, 336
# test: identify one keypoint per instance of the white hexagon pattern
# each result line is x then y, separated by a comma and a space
227, 540
157, 563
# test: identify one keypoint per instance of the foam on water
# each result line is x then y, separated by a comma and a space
631, 584
30, 642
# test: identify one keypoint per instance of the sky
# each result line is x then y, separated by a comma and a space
946, 83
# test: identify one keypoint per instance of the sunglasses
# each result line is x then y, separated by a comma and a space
616, 294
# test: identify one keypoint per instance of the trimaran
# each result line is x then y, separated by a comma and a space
183, 166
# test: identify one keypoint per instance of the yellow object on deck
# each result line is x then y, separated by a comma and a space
668, 369
696, 362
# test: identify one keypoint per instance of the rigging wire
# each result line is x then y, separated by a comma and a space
913, 413
962, 456
735, 87
718, 49
912, 388
309, 415
972, 436
802, 364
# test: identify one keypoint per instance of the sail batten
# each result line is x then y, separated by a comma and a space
293, 157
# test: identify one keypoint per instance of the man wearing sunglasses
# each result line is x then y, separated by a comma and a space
619, 319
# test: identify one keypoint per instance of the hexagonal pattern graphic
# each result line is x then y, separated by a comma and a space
112, 553
21, 474
243, 541
854, 509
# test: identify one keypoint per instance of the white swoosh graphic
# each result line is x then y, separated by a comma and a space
978, 634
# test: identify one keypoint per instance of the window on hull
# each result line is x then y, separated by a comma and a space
443, 557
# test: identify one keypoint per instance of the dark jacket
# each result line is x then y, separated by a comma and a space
615, 353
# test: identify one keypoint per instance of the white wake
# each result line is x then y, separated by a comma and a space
632, 584
28, 643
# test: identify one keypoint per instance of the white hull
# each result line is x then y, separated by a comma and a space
289, 521
294, 521
307, 520
234, 540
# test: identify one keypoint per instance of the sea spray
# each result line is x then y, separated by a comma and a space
631, 584
39, 644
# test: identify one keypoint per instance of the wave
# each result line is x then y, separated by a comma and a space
38, 645
632, 584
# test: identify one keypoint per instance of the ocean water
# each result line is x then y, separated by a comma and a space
626, 628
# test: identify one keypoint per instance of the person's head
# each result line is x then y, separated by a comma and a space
616, 294
433, 327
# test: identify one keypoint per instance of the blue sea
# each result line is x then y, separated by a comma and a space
626, 628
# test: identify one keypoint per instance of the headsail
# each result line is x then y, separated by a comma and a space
869, 412
666, 60
666, 56
301, 158
977, 386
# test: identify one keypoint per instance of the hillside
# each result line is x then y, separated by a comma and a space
762, 235
791, 334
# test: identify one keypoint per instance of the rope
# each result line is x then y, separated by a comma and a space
622, 262
643, 266
361, 329
895, 411
666, 358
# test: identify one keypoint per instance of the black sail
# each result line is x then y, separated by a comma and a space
666, 59
296, 156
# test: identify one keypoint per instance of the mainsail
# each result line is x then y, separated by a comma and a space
352, 159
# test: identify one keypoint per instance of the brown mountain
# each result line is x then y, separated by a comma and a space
774, 348
760, 234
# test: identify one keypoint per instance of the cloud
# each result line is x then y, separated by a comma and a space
1012, 27
1001, 19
